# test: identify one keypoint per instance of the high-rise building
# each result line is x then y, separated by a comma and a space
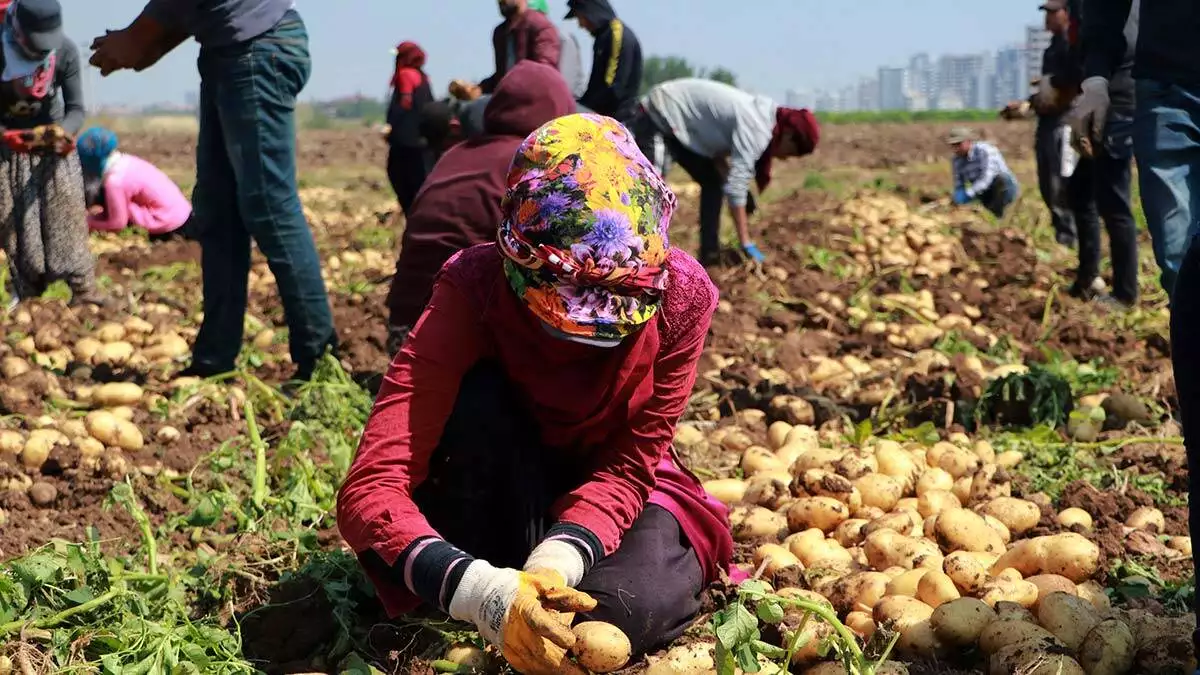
1037, 40
868, 94
1011, 83
801, 98
959, 81
848, 99
922, 78
893, 89
826, 102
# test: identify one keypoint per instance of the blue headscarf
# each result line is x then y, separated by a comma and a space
94, 147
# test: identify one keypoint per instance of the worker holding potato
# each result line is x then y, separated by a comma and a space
43, 230
517, 471
409, 157
254, 62
980, 173
134, 190
460, 204
724, 138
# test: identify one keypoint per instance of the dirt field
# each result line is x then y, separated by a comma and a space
881, 312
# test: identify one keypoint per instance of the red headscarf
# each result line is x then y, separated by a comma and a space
801, 124
408, 55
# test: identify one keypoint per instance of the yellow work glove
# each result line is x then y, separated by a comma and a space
526, 614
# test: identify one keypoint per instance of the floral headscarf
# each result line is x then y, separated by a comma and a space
585, 229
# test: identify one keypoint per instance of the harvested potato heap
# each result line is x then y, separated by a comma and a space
929, 542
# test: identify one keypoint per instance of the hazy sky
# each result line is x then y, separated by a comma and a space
772, 45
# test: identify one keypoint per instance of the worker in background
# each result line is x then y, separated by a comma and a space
1052, 134
460, 204
409, 157
616, 79
1101, 187
245, 164
570, 62
1166, 142
42, 217
519, 452
135, 192
524, 35
980, 173
725, 138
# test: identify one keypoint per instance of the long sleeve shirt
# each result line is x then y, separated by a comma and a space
619, 422
529, 36
1166, 47
716, 120
219, 23
23, 106
616, 72
136, 192
979, 169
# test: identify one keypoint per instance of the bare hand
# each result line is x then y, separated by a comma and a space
117, 50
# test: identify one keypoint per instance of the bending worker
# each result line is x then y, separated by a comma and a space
981, 174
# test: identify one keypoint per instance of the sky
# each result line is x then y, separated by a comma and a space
772, 45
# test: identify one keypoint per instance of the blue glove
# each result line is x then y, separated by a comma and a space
756, 255
960, 196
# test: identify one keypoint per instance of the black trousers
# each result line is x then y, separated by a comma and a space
406, 170
489, 492
1185, 358
1053, 186
704, 171
1101, 189
999, 195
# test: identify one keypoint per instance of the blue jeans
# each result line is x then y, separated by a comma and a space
1166, 142
246, 189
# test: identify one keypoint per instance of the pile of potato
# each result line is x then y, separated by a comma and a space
894, 236
928, 542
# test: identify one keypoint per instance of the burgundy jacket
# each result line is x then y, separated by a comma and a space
459, 204
534, 39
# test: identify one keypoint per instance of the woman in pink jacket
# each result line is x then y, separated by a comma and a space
130, 190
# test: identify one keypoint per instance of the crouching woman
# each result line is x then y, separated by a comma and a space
519, 455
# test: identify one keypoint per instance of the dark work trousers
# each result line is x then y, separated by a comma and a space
246, 191
490, 489
703, 170
1100, 188
406, 170
999, 195
1185, 357
1054, 188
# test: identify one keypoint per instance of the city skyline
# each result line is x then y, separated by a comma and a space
980, 80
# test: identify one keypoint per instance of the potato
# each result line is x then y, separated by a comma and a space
1025, 556
1147, 518
968, 574
752, 522
13, 367
110, 332
1009, 574
1000, 528
816, 458
11, 442
960, 621
88, 447
1069, 617
886, 548
766, 490
117, 394
897, 464
862, 623
166, 348
113, 354
984, 451
919, 640
1051, 583
685, 660
984, 485
122, 412
1166, 654
777, 434
1004, 632
1074, 518
879, 490
963, 530
803, 435
1072, 556
908, 504
1006, 611
814, 550
1009, 458
959, 463
1018, 515
601, 647
909, 617
1108, 649
936, 589
1181, 543
1020, 592
823, 513
858, 591
906, 582
1095, 594
733, 439
934, 479
902, 522
102, 425
758, 459
1033, 656
962, 489
793, 593
468, 655
856, 464
933, 502
775, 557
850, 532
728, 491
822, 483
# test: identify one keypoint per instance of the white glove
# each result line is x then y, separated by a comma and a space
1090, 113
558, 555
483, 597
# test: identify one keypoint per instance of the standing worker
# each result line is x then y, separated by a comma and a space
1051, 126
409, 157
44, 229
570, 62
1166, 142
724, 138
245, 164
524, 35
616, 79
981, 174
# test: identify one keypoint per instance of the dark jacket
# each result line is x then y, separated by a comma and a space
1087, 49
616, 62
405, 109
1166, 46
533, 38
459, 205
